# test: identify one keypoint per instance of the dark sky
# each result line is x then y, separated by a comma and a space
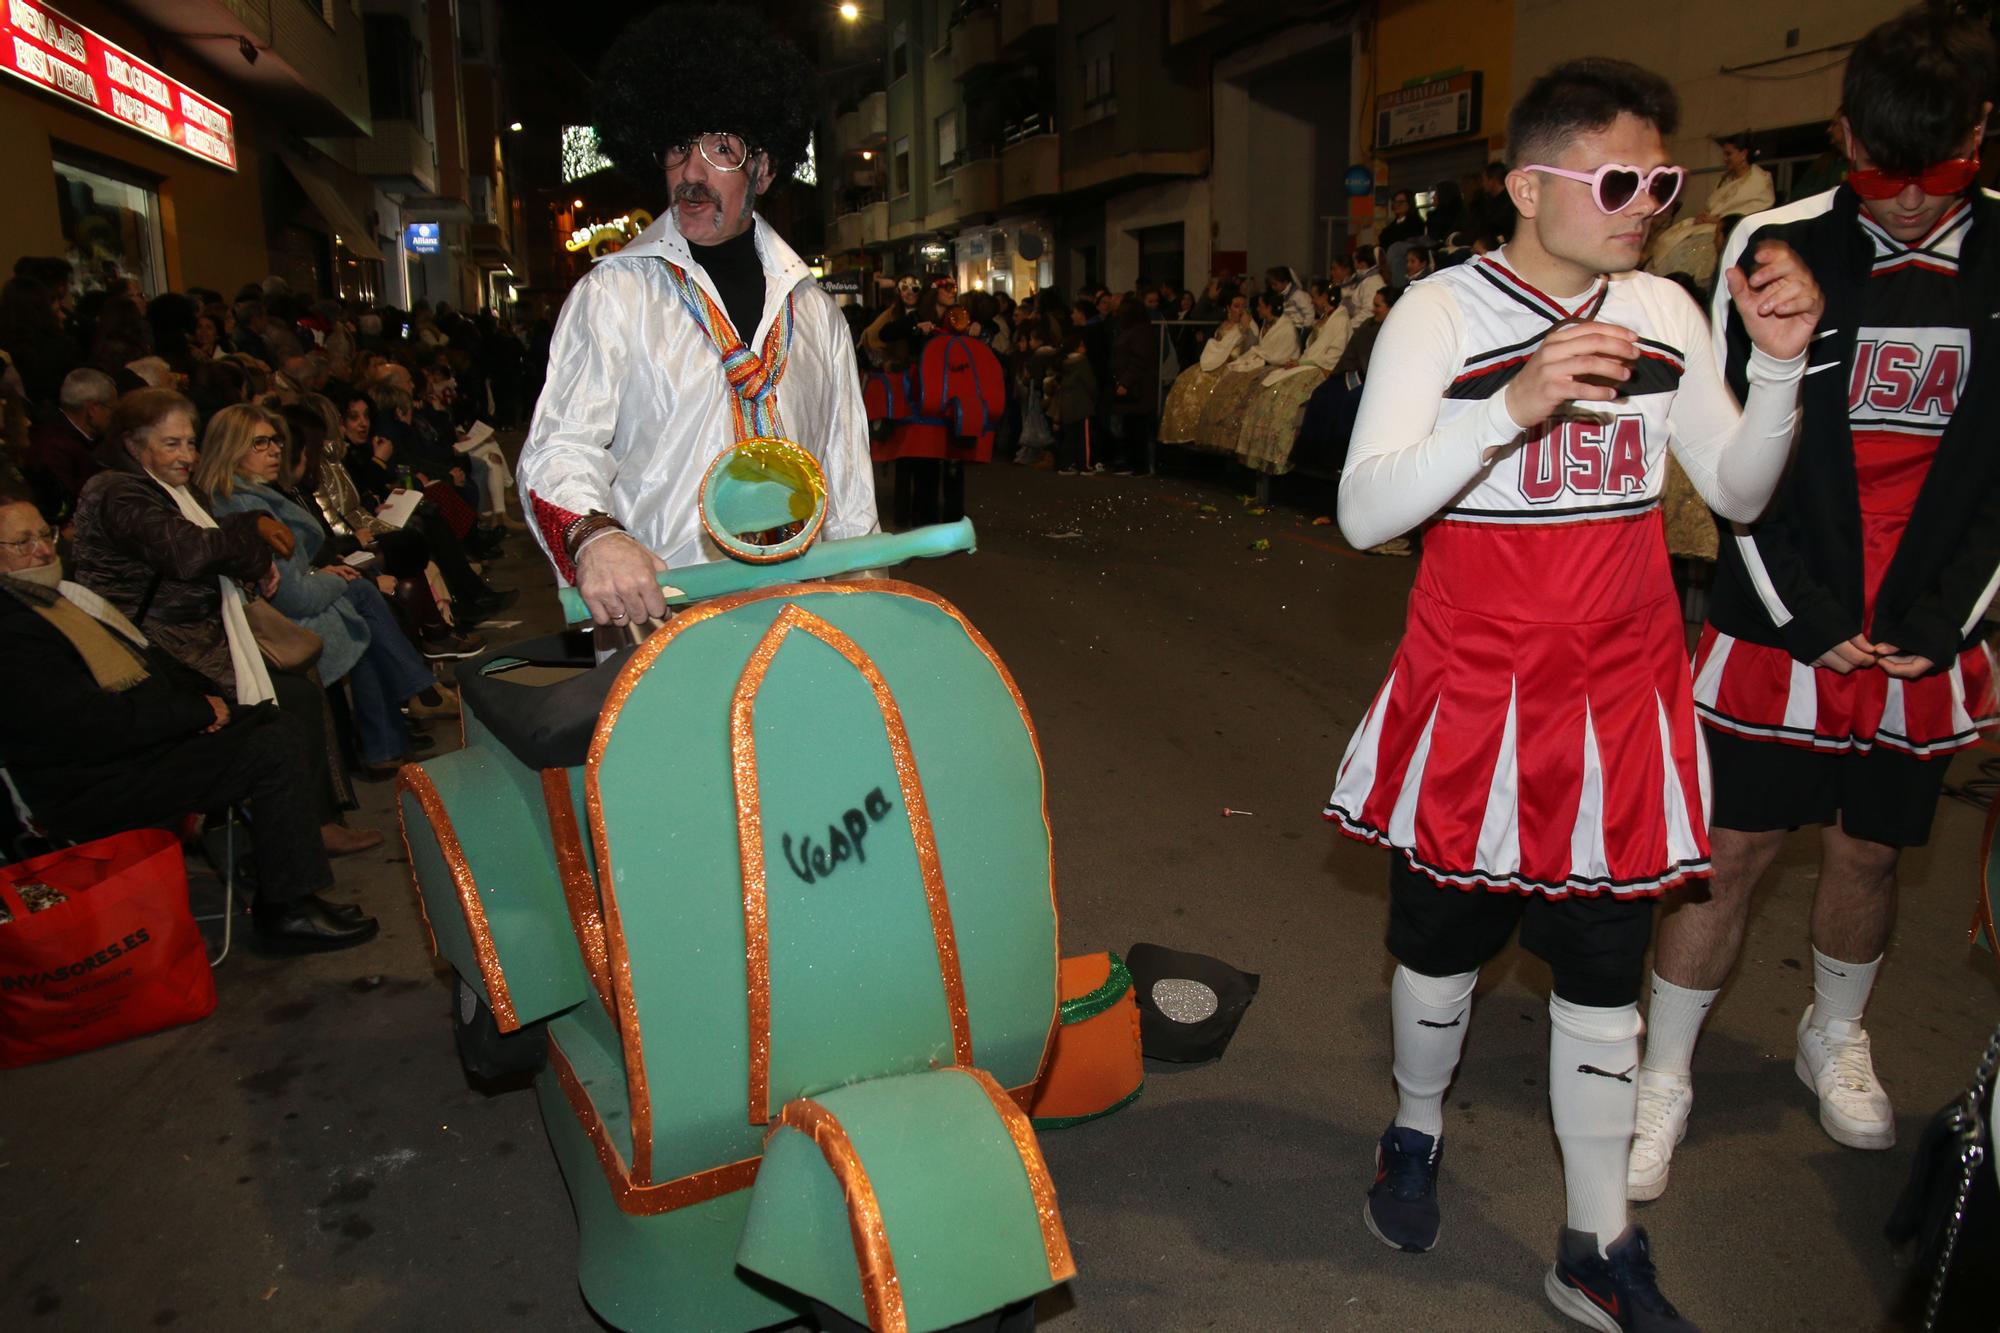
584, 32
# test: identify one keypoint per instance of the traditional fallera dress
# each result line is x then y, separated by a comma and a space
1181, 417
1272, 422
1222, 415
1536, 731
1912, 361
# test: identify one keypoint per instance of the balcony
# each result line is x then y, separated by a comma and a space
875, 223
976, 187
488, 245
398, 157
866, 126
1020, 19
311, 74
1031, 169
975, 43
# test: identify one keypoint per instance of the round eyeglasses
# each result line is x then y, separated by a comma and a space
724, 152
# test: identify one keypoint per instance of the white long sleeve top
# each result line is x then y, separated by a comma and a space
1433, 435
636, 404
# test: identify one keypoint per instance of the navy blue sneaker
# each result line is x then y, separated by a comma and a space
1402, 1209
1617, 1292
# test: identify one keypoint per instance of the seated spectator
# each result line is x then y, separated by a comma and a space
1297, 303
245, 455
121, 336
150, 546
109, 734
1417, 263
62, 450
31, 333
1329, 419
371, 453
404, 569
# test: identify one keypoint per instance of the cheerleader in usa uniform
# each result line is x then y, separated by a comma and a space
1532, 758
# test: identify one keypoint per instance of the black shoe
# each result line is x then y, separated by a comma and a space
1402, 1209
492, 602
347, 913
1618, 1291
306, 926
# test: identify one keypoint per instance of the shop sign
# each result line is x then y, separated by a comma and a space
1440, 109
608, 238
422, 238
1360, 180
842, 282
58, 54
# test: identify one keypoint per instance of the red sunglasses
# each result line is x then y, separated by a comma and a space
1948, 177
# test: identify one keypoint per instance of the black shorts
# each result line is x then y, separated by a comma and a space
1881, 795
1596, 946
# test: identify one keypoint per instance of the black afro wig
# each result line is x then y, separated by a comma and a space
686, 70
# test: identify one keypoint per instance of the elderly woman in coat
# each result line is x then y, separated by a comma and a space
146, 543
245, 457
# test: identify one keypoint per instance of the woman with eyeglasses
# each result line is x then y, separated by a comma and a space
148, 541
245, 460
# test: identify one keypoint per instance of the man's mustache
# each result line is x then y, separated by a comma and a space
689, 192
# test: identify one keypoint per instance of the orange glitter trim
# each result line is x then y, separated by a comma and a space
1055, 1241
881, 1292
750, 838
644, 1200
732, 547
586, 917
412, 779
629, 676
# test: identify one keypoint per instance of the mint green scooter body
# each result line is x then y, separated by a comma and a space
792, 934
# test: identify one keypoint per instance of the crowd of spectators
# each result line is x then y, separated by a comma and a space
242, 542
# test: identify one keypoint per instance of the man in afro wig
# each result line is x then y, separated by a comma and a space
687, 70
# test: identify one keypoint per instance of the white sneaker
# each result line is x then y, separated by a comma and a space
1834, 1061
1660, 1125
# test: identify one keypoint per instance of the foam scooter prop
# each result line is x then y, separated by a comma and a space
765, 905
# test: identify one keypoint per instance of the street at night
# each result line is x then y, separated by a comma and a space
312, 1157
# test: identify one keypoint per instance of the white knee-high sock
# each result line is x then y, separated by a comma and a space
1840, 990
1593, 1065
1428, 1016
1673, 1021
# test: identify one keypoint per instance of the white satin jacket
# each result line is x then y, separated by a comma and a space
636, 405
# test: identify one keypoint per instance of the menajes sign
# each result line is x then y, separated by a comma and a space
56, 53
1439, 109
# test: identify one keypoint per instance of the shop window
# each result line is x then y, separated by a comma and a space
111, 227
947, 142
899, 171
1096, 57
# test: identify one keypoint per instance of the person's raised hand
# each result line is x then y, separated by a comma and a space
617, 578
276, 535
1779, 303
1582, 362
1855, 654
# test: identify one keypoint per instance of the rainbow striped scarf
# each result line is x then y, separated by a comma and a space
753, 377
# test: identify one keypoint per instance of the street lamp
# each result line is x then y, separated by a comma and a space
576, 203
515, 127
850, 11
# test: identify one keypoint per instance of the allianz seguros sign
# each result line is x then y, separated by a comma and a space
1444, 107
59, 55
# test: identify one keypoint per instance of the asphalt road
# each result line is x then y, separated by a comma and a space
311, 1157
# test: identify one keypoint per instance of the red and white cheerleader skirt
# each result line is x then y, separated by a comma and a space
1765, 694
1536, 732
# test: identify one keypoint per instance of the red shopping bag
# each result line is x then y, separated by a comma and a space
113, 952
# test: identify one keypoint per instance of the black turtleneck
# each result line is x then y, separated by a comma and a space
738, 275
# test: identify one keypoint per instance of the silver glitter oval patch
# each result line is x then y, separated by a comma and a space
1183, 1000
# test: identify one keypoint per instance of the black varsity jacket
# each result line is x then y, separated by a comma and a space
1793, 579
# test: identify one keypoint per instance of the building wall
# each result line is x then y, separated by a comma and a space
1690, 42
213, 219
1413, 38
1186, 202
